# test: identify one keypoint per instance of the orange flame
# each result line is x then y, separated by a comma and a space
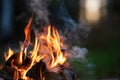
47, 47
27, 38
51, 46
27, 31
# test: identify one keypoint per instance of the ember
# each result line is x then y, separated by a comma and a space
46, 59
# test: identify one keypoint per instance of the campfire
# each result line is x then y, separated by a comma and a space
45, 59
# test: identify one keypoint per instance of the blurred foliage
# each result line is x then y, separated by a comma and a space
106, 63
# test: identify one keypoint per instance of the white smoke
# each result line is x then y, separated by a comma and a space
78, 53
73, 32
39, 11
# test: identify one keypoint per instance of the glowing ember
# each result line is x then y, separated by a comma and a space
47, 48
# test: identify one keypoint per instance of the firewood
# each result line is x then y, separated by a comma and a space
34, 72
26, 61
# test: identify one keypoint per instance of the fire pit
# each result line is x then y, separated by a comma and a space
46, 60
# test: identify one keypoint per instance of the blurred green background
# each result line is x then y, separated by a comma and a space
103, 44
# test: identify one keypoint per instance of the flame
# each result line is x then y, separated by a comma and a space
9, 54
27, 38
47, 47
27, 31
51, 46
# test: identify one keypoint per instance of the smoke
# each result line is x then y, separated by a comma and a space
39, 11
78, 53
74, 33
43, 16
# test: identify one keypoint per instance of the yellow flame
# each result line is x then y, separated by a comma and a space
52, 47
9, 54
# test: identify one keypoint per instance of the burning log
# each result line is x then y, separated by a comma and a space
40, 68
33, 74
64, 74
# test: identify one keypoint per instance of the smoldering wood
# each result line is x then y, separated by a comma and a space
64, 74
34, 72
